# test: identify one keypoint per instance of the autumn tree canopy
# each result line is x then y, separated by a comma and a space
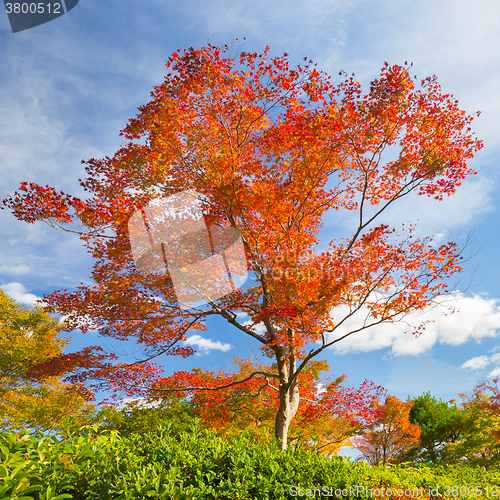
29, 335
480, 439
270, 151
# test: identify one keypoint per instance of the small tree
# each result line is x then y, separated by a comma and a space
440, 423
31, 334
269, 151
480, 443
135, 417
390, 435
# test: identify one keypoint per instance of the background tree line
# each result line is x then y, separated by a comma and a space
383, 428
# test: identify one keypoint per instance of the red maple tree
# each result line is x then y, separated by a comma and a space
390, 434
269, 150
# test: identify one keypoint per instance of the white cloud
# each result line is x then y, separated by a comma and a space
142, 402
83, 319
476, 363
259, 328
494, 373
475, 318
480, 362
18, 292
207, 345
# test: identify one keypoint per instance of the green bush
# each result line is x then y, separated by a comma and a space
196, 464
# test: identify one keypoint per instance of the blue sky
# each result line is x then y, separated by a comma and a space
68, 87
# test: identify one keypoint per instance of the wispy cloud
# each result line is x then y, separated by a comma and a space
431, 217
15, 270
298, 25
454, 39
40, 254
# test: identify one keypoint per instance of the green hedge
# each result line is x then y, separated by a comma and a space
199, 465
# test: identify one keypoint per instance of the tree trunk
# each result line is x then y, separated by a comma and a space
289, 403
